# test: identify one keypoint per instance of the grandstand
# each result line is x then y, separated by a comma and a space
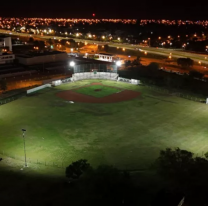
112, 68
94, 75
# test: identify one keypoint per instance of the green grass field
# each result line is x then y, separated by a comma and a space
128, 135
92, 90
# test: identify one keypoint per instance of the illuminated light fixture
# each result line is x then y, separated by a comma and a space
72, 64
118, 63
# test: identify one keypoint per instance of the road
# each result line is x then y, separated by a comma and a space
158, 51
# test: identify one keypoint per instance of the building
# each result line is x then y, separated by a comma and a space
5, 43
6, 58
41, 58
104, 57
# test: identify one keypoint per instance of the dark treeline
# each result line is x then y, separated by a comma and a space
176, 175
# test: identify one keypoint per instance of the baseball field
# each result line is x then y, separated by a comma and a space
120, 124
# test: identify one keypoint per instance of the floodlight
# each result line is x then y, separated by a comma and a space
72, 63
118, 63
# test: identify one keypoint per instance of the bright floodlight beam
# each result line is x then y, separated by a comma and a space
118, 63
72, 63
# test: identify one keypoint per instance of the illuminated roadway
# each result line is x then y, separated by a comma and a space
203, 58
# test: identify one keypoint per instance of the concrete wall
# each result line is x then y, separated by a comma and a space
42, 59
38, 88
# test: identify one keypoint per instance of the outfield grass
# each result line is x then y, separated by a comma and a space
128, 134
91, 90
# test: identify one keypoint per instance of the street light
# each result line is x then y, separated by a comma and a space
23, 136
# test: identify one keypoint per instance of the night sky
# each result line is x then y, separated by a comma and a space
178, 9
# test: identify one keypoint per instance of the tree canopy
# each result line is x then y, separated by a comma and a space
76, 169
185, 62
186, 172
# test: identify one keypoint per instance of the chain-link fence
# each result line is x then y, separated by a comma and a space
176, 93
95, 67
12, 98
29, 160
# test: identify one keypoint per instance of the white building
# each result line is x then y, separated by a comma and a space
104, 57
6, 58
5, 42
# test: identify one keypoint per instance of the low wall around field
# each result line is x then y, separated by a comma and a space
131, 81
38, 88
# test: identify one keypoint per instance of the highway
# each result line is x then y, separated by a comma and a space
203, 58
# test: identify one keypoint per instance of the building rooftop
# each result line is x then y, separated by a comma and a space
31, 55
106, 54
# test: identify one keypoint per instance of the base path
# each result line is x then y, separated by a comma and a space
72, 95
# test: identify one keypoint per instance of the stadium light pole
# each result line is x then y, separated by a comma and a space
72, 64
23, 136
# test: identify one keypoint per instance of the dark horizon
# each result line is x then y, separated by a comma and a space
108, 9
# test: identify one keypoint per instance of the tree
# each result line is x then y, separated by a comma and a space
195, 74
31, 40
106, 184
3, 84
50, 42
153, 69
185, 62
76, 169
127, 63
136, 61
186, 172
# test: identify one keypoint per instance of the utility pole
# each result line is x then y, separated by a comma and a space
23, 136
